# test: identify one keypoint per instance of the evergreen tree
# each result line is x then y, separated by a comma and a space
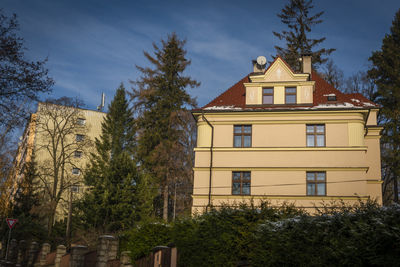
30, 224
109, 204
159, 95
386, 73
296, 15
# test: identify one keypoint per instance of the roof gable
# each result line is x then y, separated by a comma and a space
279, 71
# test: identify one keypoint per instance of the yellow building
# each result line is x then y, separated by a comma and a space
23, 156
61, 139
282, 136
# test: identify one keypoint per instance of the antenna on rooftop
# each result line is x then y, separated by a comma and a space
261, 60
100, 108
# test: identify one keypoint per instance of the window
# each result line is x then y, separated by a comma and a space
290, 95
241, 183
242, 135
268, 95
78, 154
81, 121
79, 137
76, 171
316, 135
75, 188
332, 97
316, 183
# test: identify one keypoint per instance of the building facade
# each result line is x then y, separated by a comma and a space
288, 137
59, 139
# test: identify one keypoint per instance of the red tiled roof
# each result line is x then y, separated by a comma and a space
323, 88
235, 97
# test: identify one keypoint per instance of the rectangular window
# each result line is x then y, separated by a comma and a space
242, 135
76, 171
316, 135
79, 137
78, 154
81, 121
241, 183
75, 188
268, 95
316, 183
331, 98
290, 95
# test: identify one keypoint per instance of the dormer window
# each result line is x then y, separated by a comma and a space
268, 95
290, 95
332, 97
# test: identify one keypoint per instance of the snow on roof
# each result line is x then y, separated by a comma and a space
336, 105
368, 104
223, 108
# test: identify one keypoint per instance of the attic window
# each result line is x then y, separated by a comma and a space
332, 97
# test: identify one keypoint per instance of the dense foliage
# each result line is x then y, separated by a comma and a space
221, 237
363, 235
386, 74
25, 207
109, 205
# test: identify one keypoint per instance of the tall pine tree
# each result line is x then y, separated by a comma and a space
296, 15
110, 202
386, 74
159, 96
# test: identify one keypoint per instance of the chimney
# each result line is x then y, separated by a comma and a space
306, 59
257, 68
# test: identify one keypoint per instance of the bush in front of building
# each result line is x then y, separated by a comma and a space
366, 235
362, 235
224, 235
220, 237
142, 238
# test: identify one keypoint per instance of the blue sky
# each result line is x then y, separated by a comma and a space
93, 46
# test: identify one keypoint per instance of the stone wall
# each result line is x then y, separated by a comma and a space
20, 254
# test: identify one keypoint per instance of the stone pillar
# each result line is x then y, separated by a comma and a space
107, 249
61, 250
125, 259
32, 253
43, 253
78, 256
174, 256
22, 253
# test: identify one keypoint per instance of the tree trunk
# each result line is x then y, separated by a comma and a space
68, 231
52, 214
396, 190
50, 224
165, 203
174, 215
